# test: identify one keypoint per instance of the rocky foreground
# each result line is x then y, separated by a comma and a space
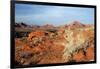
73, 44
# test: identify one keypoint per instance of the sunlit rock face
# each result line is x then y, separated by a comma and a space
78, 45
62, 46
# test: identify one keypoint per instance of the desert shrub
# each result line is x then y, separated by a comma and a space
24, 39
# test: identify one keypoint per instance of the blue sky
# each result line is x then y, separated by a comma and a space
43, 14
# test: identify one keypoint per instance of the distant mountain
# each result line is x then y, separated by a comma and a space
77, 24
47, 26
35, 26
21, 25
73, 25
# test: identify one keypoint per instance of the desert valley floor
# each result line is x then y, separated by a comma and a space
48, 44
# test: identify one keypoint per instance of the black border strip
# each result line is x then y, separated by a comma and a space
95, 42
12, 51
54, 4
